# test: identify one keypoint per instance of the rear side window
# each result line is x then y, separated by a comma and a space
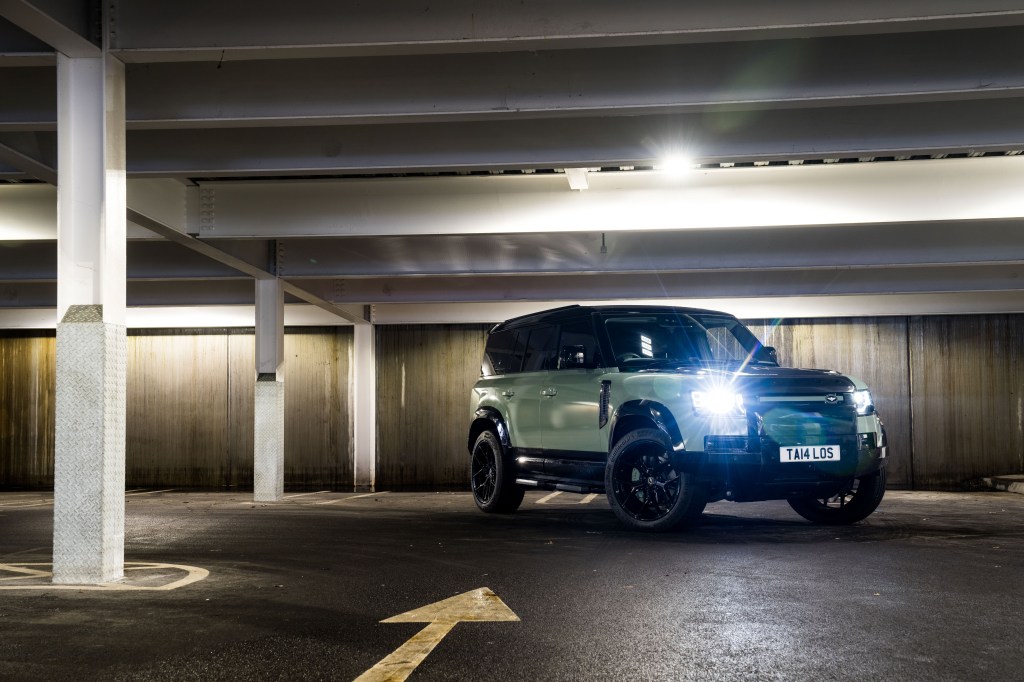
540, 349
504, 353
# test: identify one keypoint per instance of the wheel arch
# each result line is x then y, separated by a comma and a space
485, 419
640, 414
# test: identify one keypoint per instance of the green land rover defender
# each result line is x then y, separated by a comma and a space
667, 409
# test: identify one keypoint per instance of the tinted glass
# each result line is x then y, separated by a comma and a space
578, 341
675, 339
504, 353
540, 349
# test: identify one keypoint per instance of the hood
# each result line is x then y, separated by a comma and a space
763, 379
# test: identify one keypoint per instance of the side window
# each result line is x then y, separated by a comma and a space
725, 345
540, 349
577, 345
504, 353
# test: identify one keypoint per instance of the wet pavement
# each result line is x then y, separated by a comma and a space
928, 588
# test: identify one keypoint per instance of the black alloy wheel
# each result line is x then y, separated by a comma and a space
853, 503
492, 478
646, 488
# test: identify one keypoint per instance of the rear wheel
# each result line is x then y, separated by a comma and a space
646, 489
854, 503
492, 478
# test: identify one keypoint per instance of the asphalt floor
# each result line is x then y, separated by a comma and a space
927, 588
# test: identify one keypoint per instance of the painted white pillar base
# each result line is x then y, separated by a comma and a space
268, 441
88, 510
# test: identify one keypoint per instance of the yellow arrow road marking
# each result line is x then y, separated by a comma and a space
476, 605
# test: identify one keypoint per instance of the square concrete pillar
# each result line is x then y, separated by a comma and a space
268, 434
268, 440
88, 496
364, 406
92, 357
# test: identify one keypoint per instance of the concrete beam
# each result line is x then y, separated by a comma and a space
345, 312
164, 30
63, 25
827, 194
913, 128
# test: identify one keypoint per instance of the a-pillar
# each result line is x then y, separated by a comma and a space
364, 406
268, 434
92, 357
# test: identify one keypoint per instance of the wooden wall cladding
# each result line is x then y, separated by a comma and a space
317, 434
190, 414
950, 390
176, 433
27, 402
425, 374
968, 398
873, 350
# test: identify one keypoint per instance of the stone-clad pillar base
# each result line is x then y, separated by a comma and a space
88, 508
268, 440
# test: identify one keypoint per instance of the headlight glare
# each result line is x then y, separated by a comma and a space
719, 402
862, 400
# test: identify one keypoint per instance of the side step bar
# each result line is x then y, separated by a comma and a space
565, 487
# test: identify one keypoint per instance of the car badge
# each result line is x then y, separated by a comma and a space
831, 398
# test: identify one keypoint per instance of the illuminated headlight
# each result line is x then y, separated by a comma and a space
862, 400
718, 402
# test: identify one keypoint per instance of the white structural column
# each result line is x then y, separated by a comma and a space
364, 406
88, 515
268, 434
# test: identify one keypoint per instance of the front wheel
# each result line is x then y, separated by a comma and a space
492, 478
851, 505
646, 489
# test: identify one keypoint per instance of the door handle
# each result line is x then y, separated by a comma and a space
549, 392
507, 394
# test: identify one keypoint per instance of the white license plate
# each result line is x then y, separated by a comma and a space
809, 453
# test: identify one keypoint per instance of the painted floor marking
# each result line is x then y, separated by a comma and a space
544, 500
26, 503
588, 499
476, 605
291, 497
150, 492
353, 497
28, 571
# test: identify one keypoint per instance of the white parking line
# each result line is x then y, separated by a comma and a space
354, 497
588, 499
150, 492
303, 495
544, 500
26, 503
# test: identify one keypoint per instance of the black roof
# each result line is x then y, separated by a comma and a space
574, 311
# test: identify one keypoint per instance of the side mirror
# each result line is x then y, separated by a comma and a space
572, 357
767, 354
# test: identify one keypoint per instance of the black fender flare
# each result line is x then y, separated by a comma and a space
491, 415
648, 410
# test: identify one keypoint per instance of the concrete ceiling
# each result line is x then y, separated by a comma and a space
402, 153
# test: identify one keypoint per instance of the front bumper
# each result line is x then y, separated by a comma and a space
745, 468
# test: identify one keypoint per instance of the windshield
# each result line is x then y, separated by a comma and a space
677, 340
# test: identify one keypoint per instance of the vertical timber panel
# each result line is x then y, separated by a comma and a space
968, 379
873, 350
317, 442
177, 410
424, 377
27, 409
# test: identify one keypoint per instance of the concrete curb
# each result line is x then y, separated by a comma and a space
1010, 484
